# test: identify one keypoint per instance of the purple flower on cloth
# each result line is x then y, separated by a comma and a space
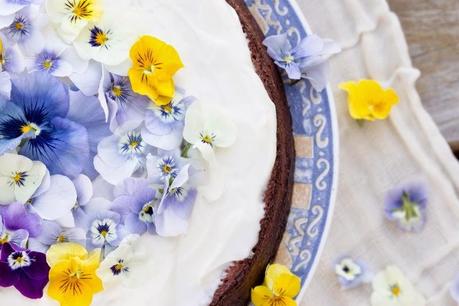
135, 202
17, 224
351, 273
164, 124
174, 211
52, 233
406, 205
26, 270
305, 60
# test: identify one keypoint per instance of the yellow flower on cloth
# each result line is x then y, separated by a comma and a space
279, 288
368, 100
154, 65
72, 279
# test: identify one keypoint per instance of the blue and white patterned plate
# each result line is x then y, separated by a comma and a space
316, 144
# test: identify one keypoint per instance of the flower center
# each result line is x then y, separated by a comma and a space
395, 290
99, 38
103, 231
117, 91
79, 9
208, 138
30, 127
47, 64
119, 267
2, 56
19, 26
132, 143
18, 260
146, 214
61, 238
148, 64
289, 59
18, 178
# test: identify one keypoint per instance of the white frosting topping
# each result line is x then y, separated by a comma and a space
218, 70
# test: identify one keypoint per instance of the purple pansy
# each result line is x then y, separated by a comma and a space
35, 120
164, 124
164, 166
174, 211
53, 233
406, 205
24, 29
126, 109
135, 202
17, 224
104, 226
351, 273
26, 270
305, 60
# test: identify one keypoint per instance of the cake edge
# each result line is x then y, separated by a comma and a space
243, 275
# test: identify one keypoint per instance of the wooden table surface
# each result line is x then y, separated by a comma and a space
432, 31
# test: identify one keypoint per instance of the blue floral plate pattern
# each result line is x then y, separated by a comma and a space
316, 144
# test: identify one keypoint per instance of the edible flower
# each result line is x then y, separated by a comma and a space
406, 205
306, 60
351, 273
280, 287
392, 288
154, 65
72, 279
124, 266
27, 271
17, 225
20, 177
208, 128
368, 100
70, 17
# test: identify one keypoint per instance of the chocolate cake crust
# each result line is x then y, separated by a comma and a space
243, 275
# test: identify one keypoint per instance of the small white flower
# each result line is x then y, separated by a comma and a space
107, 41
392, 288
125, 265
19, 178
70, 17
207, 129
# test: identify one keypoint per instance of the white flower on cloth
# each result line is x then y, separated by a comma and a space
392, 288
20, 177
208, 128
107, 41
125, 265
70, 17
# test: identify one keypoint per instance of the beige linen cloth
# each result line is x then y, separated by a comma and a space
381, 155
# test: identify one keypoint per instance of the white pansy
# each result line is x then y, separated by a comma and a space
19, 178
55, 200
125, 265
107, 41
392, 288
207, 128
70, 17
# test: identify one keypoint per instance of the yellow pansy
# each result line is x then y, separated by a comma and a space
72, 279
280, 287
368, 100
154, 64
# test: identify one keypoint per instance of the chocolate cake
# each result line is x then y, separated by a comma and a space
244, 275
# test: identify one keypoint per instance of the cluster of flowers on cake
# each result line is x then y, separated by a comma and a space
98, 146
